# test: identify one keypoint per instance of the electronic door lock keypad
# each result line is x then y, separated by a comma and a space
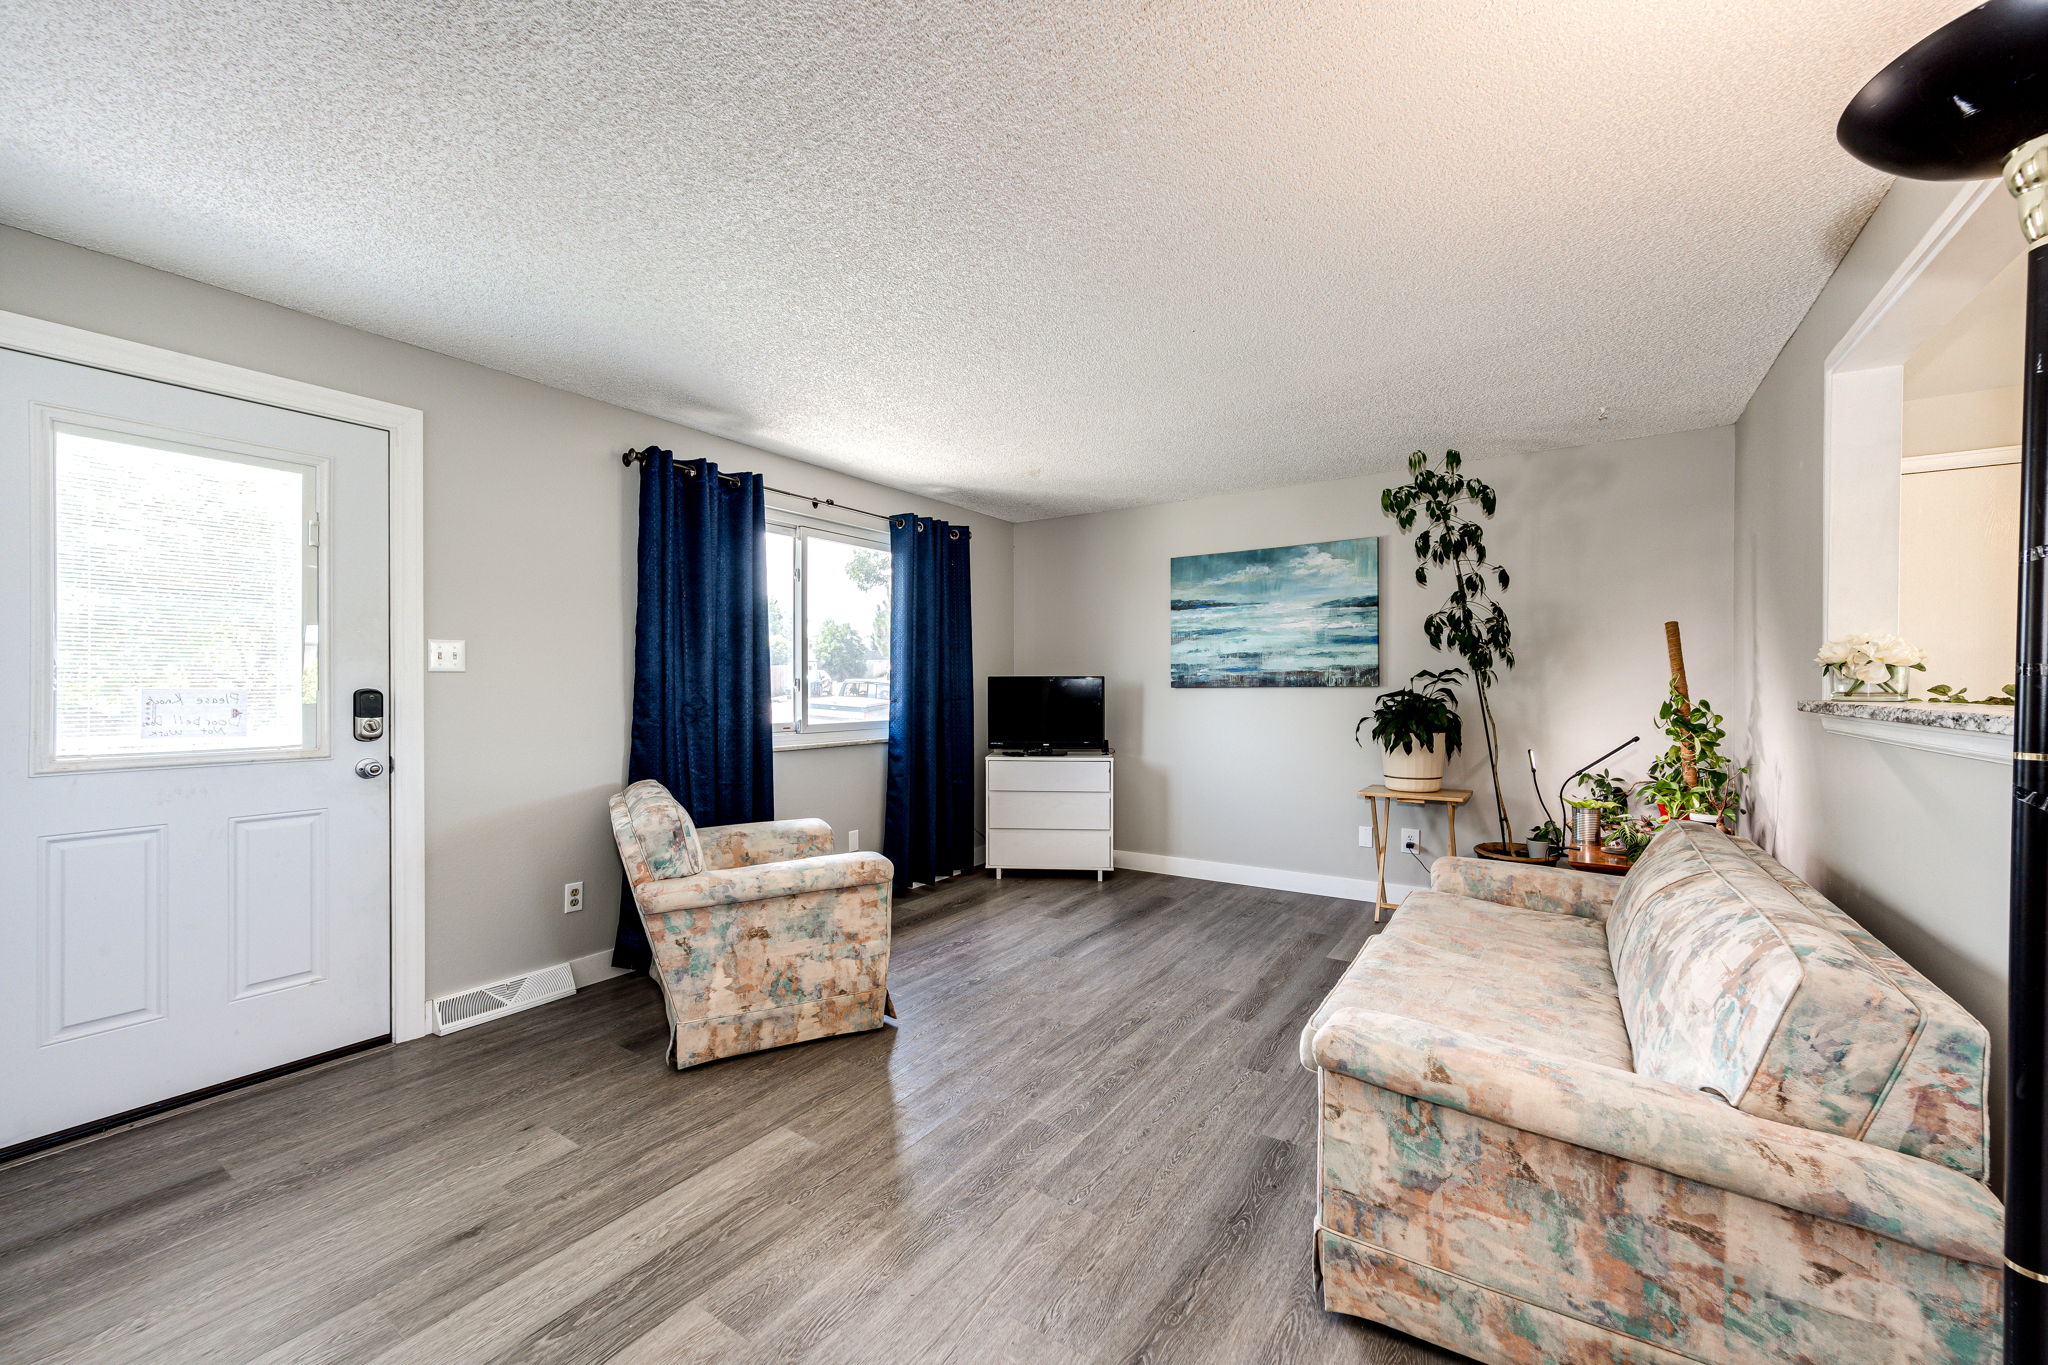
369, 713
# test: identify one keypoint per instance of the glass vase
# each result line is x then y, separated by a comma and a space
1847, 687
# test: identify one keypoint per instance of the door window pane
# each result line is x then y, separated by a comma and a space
184, 597
846, 628
781, 550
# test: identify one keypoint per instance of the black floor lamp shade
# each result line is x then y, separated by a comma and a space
1957, 103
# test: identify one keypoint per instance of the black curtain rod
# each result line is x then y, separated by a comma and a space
633, 457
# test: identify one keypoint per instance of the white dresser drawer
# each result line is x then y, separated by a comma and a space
1049, 848
1048, 775
1048, 810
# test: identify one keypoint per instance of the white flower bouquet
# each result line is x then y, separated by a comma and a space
1869, 665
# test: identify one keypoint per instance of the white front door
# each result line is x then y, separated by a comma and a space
194, 877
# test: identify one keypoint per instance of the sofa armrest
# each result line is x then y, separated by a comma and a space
765, 881
764, 841
1589, 895
1655, 1124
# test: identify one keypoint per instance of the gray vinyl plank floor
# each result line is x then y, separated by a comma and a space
1089, 1140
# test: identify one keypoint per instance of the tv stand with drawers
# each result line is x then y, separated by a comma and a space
1050, 811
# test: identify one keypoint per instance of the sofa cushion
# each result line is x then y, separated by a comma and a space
666, 833
1731, 986
1934, 1106
1531, 978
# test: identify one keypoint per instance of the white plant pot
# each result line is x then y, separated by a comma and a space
1419, 771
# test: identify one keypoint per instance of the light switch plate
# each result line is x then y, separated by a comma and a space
446, 656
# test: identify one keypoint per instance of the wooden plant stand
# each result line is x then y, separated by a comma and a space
1381, 801
1582, 859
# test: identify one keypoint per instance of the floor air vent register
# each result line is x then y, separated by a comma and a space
485, 1003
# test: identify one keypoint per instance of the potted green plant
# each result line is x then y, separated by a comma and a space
1693, 779
1604, 804
1628, 836
1418, 729
1470, 624
1545, 839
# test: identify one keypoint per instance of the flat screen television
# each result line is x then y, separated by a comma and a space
1032, 712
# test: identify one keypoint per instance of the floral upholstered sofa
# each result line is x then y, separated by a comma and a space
762, 935
1695, 1114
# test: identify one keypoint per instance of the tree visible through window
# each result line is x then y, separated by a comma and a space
828, 628
183, 600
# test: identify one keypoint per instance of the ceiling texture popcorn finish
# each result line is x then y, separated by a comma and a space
1032, 259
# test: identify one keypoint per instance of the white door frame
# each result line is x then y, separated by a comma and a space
1863, 425
407, 732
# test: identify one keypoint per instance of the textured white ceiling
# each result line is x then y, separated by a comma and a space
1032, 258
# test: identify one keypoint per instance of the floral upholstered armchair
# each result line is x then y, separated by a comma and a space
762, 935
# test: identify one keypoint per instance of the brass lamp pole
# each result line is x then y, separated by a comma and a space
1968, 102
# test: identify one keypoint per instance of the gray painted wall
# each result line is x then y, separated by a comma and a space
1605, 543
1913, 844
529, 544
530, 528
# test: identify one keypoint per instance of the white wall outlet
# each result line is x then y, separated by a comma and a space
572, 897
853, 841
1365, 836
1411, 838
447, 656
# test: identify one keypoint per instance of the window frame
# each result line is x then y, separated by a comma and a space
316, 606
800, 732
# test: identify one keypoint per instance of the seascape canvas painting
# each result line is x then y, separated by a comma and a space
1293, 616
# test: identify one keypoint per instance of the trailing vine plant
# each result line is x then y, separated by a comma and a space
1693, 776
2005, 696
1470, 623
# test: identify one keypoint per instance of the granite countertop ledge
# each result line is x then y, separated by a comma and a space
1936, 715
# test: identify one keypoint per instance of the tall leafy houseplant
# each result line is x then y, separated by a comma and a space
1470, 623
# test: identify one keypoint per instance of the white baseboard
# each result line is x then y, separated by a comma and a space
592, 968
1271, 878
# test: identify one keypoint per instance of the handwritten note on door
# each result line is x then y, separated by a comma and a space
194, 713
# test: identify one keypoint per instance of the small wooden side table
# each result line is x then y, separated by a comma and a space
1382, 800
1582, 859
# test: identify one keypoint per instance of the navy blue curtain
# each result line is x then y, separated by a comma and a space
700, 655
928, 825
